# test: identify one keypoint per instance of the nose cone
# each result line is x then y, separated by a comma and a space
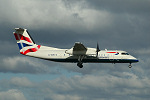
133, 59
136, 60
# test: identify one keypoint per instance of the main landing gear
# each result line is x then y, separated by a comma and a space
130, 66
80, 63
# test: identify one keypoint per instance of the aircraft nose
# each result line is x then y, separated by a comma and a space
135, 60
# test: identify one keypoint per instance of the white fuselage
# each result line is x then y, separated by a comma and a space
63, 55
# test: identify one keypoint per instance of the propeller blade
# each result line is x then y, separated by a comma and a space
97, 49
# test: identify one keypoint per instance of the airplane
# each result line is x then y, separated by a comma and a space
77, 54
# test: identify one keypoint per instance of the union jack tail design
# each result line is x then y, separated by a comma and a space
25, 42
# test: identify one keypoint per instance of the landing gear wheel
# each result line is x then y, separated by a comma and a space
79, 64
130, 66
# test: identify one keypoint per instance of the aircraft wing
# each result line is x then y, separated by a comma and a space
77, 49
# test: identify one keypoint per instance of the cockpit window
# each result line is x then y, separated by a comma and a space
124, 53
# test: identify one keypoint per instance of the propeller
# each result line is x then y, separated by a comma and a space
97, 49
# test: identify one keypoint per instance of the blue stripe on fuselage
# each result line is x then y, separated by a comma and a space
97, 60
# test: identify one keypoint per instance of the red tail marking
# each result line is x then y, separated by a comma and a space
31, 50
16, 36
25, 38
21, 37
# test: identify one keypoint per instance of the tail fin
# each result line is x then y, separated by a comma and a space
25, 42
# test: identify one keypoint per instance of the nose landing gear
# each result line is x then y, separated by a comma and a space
130, 66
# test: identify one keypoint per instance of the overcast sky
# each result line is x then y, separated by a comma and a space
115, 24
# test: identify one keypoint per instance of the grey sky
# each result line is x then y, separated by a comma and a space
115, 24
